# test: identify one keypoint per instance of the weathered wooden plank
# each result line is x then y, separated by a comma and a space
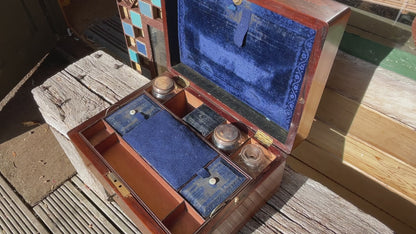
120, 219
381, 30
384, 133
396, 175
345, 193
83, 89
378, 88
332, 167
404, 5
11, 204
80, 91
83, 171
106, 76
64, 103
303, 205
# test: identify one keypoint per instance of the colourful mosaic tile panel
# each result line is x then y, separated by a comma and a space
128, 29
141, 47
134, 56
136, 19
157, 3
145, 9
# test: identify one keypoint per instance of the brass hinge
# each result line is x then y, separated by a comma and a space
119, 186
263, 138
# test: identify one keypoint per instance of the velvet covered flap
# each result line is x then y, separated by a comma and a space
172, 149
206, 196
132, 114
256, 55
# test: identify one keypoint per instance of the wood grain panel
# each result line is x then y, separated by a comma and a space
370, 126
392, 173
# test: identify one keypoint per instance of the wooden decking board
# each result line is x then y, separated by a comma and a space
357, 199
70, 210
15, 217
111, 210
303, 205
358, 183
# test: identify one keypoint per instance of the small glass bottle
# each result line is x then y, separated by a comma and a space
163, 87
253, 157
226, 137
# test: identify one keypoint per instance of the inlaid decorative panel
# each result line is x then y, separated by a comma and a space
139, 19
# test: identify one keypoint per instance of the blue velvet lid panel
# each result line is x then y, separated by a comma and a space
172, 149
256, 55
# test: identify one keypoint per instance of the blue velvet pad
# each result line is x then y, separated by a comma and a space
122, 121
205, 197
204, 119
174, 151
258, 56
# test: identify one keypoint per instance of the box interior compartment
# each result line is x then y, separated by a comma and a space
183, 103
168, 205
97, 132
170, 147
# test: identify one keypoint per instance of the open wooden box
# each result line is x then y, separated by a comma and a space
259, 65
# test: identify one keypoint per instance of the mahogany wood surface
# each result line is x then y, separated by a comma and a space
284, 212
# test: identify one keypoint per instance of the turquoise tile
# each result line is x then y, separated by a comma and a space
134, 56
136, 19
157, 3
141, 47
145, 9
128, 29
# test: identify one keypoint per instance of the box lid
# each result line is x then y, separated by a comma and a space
257, 57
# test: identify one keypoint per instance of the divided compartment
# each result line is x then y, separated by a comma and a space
168, 206
98, 132
268, 157
182, 103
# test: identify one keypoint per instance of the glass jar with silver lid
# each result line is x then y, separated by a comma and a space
163, 87
226, 137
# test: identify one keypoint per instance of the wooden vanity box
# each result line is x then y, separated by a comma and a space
258, 65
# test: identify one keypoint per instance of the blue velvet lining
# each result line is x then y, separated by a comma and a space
123, 121
266, 72
204, 196
174, 151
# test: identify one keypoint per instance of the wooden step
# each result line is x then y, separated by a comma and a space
380, 89
394, 174
368, 125
364, 139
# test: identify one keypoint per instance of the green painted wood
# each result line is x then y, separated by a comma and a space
392, 59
